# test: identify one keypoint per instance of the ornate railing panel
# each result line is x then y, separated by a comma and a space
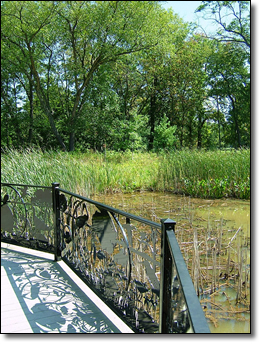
27, 216
119, 260
133, 264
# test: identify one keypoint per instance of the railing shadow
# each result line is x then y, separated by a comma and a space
122, 257
51, 301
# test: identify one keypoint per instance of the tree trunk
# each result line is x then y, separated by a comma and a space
190, 134
152, 113
30, 134
199, 144
45, 105
200, 126
234, 115
219, 136
72, 142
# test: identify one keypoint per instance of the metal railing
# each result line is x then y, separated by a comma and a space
180, 310
27, 216
133, 264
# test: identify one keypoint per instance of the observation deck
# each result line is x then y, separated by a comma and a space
40, 295
63, 253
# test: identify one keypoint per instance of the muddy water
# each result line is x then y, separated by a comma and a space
222, 230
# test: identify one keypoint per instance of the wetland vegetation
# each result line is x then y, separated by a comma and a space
213, 230
116, 100
197, 173
214, 237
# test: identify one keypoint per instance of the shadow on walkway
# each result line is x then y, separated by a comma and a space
50, 300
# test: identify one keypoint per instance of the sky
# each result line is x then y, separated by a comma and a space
186, 9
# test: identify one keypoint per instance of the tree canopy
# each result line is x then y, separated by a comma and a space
122, 75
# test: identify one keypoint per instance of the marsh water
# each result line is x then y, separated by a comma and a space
217, 230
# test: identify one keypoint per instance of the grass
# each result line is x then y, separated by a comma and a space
206, 174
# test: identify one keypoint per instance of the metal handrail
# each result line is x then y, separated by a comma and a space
114, 210
196, 315
31, 186
172, 262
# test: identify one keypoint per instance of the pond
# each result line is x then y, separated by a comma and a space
214, 237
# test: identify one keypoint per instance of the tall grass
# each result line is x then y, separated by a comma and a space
207, 174
197, 173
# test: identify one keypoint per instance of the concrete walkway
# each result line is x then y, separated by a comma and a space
39, 295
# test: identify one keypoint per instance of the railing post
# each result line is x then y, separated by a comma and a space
56, 214
165, 275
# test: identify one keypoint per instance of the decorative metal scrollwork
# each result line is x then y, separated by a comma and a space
118, 260
26, 216
121, 262
13, 213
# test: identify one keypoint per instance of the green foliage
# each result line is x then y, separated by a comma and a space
66, 43
122, 75
164, 135
229, 80
206, 174
130, 135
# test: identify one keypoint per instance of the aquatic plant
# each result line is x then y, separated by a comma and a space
206, 174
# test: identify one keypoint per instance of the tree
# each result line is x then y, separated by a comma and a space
185, 89
153, 66
68, 41
164, 135
229, 75
83, 74
232, 18
229, 82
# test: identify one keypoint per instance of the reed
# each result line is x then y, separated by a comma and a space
203, 174
196, 264
222, 265
221, 274
207, 174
